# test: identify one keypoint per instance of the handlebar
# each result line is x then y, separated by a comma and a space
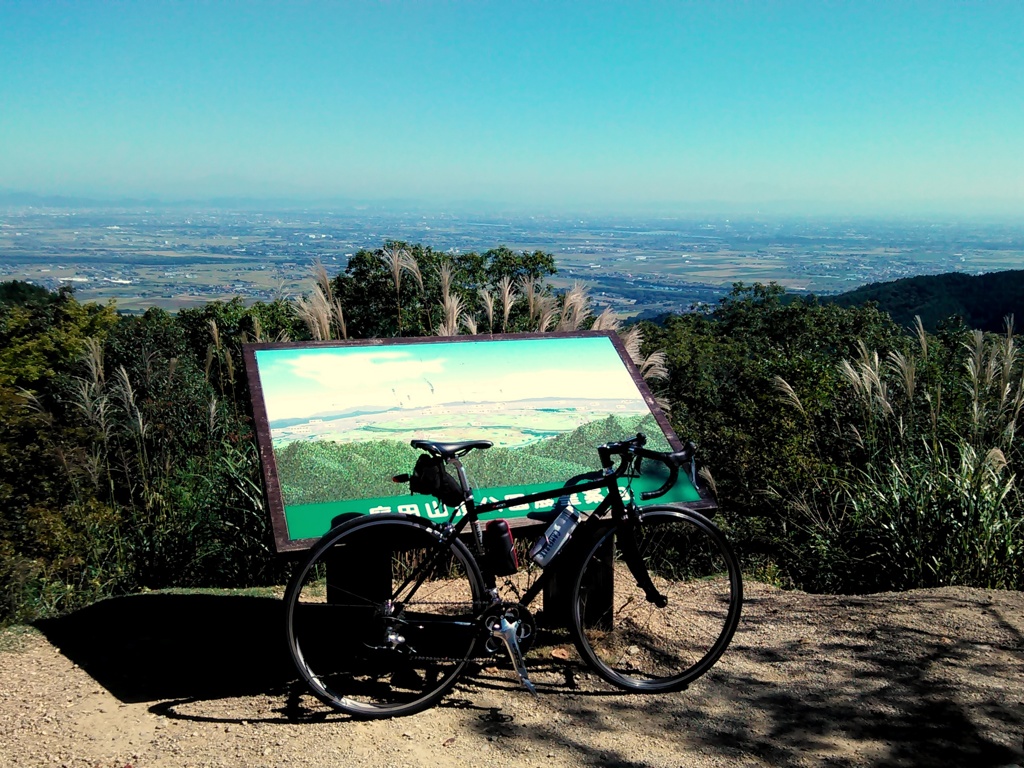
631, 450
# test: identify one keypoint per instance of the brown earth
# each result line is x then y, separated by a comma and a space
922, 678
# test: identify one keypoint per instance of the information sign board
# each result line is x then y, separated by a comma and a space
334, 421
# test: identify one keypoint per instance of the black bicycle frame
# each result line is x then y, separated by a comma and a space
452, 530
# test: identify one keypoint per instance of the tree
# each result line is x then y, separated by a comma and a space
504, 262
382, 297
41, 339
724, 393
20, 292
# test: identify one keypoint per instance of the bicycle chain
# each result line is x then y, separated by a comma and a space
482, 603
437, 658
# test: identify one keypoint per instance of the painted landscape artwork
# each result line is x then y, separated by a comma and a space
340, 419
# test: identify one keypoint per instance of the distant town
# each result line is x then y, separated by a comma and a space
175, 257
507, 425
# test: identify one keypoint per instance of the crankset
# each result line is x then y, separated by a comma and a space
511, 626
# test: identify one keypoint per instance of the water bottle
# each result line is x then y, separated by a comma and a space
500, 548
557, 534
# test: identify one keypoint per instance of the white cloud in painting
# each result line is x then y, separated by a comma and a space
542, 383
359, 372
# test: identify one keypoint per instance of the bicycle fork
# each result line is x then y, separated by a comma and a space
635, 563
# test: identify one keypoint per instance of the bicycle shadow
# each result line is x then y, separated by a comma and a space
162, 647
821, 682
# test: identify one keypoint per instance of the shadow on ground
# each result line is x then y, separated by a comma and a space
884, 693
887, 689
886, 680
154, 647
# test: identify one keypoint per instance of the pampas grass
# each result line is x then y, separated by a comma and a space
928, 496
508, 297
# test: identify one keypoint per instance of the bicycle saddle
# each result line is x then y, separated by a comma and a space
450, 450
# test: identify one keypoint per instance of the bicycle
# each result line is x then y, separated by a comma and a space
387, 610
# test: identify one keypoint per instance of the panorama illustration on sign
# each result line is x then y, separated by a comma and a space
340, 418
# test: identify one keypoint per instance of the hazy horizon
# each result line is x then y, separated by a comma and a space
665, 211
894, 108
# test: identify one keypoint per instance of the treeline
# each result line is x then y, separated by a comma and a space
847, 454
127, 452
975, 301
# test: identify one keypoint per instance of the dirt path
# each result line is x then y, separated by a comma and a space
918, 679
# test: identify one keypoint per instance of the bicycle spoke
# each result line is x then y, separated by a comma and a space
631, 641
368, 655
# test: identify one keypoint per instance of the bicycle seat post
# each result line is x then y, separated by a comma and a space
467, 494
467, 491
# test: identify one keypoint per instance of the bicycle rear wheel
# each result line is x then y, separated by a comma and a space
631, 641
365, 650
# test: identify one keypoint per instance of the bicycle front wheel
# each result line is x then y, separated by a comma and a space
363, 646
660, 636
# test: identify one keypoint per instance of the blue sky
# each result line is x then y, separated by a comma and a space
546, 106
303, 382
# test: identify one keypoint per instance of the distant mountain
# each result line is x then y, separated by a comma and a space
364, 410
16, 199
982, 301
532, 403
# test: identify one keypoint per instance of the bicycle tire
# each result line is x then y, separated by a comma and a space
338, 633
626, 638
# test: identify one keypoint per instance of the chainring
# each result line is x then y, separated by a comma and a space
526, 632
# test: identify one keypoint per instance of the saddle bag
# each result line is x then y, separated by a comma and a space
429, 476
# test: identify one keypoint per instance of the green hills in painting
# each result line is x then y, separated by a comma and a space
321, 471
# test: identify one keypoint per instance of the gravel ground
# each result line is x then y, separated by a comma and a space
928, 677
